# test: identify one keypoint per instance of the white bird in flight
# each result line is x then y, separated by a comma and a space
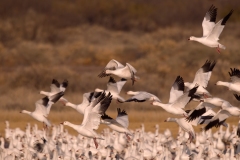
114, 88
234, 85
116, 68
92, 115
178, 100
43, 107
212, 30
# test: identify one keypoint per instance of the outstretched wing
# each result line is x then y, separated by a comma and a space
93, 112
112, 65
235, 75
122, 118
64, 85
218, 28
209, 20
203, 75
55, 86
183, 100
218, 119
43, 105
177, 89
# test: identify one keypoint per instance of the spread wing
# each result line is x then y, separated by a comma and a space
235, 75
55, 86
218, 119
177, 89
183, 100
112, 65
112, 85
64, 85
120, 84
202, 108
108, 120
43, 105
93, 112
142, 97
209, 20
218, 28
203, 75
122, 118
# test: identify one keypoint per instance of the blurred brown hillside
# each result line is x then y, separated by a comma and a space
74, 39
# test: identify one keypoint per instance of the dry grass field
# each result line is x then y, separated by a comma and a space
74, 40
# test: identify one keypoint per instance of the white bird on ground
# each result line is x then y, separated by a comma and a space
116, 68
43, 107
141, 96
212, 31
234, 85
201, 78
114, 88
92, 115
178, 100
120, 124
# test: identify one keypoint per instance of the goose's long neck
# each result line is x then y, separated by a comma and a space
74, 126
98, 90
44, 93
172, 120
164, 106
69, 104
220, 83
26, 112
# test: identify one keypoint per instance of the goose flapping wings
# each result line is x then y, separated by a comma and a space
96, 108
177, 89
44, 105
112, 65
209, 20
141, 96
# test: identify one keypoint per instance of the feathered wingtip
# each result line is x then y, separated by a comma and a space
111, 80
121, 113
57, 96
193, 90
105, 116
180, 83
103, 74
237, 96
65, 83
56, 83
234, 72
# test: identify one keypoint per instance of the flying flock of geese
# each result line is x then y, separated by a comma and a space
128, 144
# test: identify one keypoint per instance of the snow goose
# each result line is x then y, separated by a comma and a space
87, 98
238, 129
178, 100
56, 87
114, 88
92, 115
205, 105
116, 68
141, 96
201, 78
234, 85
120, 124
43, 107
206, 118
212, 31
226, 111
186, 126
